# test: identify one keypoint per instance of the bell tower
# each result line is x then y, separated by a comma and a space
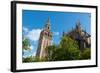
44, 40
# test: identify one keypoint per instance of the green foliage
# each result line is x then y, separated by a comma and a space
67, 42
25, 44
33, 59
70, 47
67, 50
86, 54
28, 59
50, 50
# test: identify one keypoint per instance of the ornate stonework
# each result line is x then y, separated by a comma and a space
44, 40
77, 33
81, 36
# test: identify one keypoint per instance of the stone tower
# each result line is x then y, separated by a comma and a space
44, 40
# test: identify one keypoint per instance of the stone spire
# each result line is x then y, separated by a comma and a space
48, 25
78, 25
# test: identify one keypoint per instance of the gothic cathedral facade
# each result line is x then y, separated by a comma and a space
44, 40
80, 35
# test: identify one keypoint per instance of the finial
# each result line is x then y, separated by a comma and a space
78, 24
47, 25
48, 21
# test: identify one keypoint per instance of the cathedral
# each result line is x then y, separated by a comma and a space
81, 36
44, 40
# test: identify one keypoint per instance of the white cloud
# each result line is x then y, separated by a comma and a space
34, 54
31, 47
25, 56
56, 33
25, 29
34, 34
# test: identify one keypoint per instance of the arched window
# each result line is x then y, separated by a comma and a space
48, 28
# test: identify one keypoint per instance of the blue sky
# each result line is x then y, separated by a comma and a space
33, 23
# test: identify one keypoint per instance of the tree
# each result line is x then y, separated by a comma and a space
50, 51
86, 54
67, 50
67, 42
25, 44
28, 59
